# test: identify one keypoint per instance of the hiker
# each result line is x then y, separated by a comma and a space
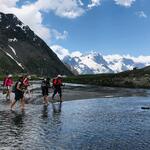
26, 83
19, 94
7, 83
45, 85
57, 84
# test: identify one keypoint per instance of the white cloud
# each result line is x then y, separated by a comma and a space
94, 3
8, 3
141, 14
63, 8
140, 59
62, 52
34, 9
31, 13
59, 35
80, 2
126, 3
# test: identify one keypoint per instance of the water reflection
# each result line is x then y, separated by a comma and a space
90, 124
17, 120
45, 111
57, 107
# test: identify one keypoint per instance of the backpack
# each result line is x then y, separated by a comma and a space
14, 87
57, 82
54, 82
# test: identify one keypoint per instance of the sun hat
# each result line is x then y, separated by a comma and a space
59, 76
9, 76
29, 77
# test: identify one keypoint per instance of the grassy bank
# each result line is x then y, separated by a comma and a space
139, 78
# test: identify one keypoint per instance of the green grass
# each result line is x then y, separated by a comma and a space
139, 78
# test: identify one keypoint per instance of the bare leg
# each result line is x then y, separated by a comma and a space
46, 100
22, 104
8, 95
61, 99
54, 93
12, 104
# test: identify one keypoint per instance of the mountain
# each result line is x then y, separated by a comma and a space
94, 63
120, 63
88, 64
21, 50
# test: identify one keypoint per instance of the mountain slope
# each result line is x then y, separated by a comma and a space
21, 50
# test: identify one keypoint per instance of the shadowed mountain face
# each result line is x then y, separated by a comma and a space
21, 50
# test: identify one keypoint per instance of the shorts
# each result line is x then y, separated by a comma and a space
19, 95
58, 90
45, 91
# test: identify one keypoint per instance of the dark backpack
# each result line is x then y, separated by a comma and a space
14, 88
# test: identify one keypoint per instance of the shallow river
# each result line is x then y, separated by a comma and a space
104, 123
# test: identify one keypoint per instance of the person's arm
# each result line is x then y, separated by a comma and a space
18, 86
5, 82
24, 81
48, 84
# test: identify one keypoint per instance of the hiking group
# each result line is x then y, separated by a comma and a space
56, 85
21, 87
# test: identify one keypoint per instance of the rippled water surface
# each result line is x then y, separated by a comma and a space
114, 123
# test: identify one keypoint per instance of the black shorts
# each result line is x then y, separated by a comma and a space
18, 95
58, 90
44, 91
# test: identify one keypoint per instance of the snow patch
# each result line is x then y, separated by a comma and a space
19, 64
13, 50
12, 40
22, 26
7, 26
94, 63
0, 17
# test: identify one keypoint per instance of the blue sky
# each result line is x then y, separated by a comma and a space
108, 28
105, 26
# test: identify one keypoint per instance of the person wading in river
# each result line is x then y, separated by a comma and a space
8, 82
26, 82
19, 94
57, 84
45, 85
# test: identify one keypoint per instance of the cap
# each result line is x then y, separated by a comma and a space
59, 76
29, 77
9, 76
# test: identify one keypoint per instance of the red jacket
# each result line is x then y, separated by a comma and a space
57, 82
26, 82
7, 81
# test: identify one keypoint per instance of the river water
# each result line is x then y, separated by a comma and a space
116, 123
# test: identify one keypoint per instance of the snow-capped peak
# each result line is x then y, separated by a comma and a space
94, 62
